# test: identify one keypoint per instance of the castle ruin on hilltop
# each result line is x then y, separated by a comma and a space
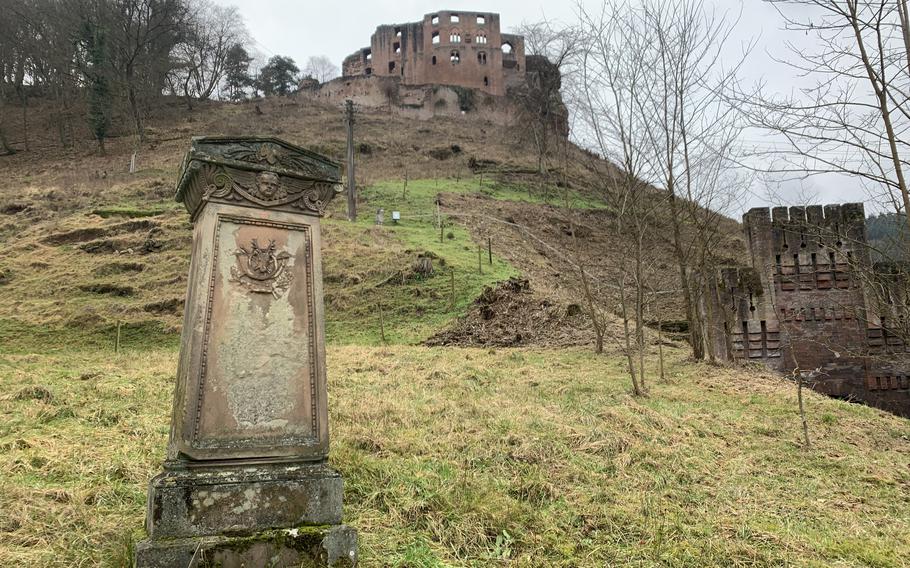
465, 49
812, 299
450, 64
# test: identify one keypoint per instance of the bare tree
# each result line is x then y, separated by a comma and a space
143, 34
541, 111
613, 71
211, 32
686, 133
693, 136
321, 68
852, 116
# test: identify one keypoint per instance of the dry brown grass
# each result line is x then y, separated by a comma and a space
462, 457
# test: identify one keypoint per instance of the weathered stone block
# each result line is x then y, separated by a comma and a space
304, 547
242, 499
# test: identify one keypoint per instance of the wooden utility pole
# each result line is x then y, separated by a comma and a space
349, 126
438, 218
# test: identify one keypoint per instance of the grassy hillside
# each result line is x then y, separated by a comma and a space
451, 456
468, 457
92, 246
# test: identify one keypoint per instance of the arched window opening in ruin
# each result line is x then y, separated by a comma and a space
391, 66
455, 37
454, 18
369, 71
507, 48
480, 38
481, 19
397, 47
486, 81
482, 58
368, 55
434, 60
435, 37
455, 58
434, 19
397, 32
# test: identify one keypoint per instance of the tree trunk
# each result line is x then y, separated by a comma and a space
627, 335
24, 100
599, 327
884, 110
802, 408
134, 105
640, 313
660, 343
4, 144
696, 337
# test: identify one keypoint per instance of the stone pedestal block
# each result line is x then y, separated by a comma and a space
304, 547
240, 500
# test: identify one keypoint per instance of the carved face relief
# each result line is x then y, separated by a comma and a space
268, 185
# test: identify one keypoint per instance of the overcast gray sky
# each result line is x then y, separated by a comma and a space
302, 28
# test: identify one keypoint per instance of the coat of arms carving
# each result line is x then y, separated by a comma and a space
262, 269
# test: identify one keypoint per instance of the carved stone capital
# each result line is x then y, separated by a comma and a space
264, 173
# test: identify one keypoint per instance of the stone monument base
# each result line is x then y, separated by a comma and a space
311, 546
239, 498
246, 513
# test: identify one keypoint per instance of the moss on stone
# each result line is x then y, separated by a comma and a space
307, 542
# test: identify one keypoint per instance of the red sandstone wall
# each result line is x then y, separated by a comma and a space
409, 52
803, 304
418, 101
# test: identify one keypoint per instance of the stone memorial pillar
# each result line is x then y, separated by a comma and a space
245, 482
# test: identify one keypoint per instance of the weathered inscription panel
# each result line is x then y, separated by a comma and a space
259, 373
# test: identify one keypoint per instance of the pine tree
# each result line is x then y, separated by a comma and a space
278, 76
237, 72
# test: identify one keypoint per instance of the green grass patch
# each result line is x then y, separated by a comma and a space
20, 337
418, 200
128, 212
476, 457
413, 308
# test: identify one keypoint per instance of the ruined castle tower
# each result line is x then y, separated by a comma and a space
804, 302
457, 48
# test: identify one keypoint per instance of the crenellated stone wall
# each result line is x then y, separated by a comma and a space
804, 301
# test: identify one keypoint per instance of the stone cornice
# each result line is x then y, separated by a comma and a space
261, 172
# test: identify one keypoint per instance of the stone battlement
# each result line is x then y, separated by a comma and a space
809, 214
804, 302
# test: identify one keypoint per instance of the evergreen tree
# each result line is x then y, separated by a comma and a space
278, 76
237, 72
99, 92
